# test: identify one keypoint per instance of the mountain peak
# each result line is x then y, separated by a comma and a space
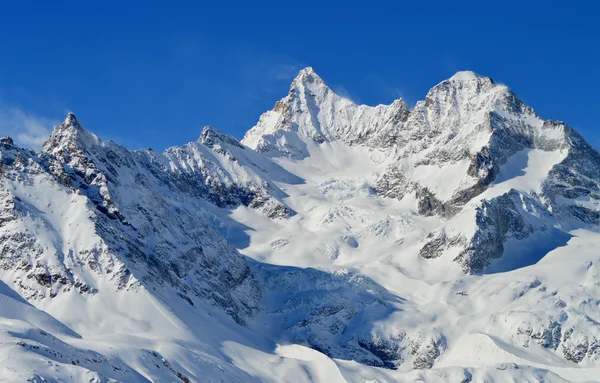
307, 76
467, 78
209, 129
467, 83
210, 135
69, 133
71, 121
465, 75
6, 140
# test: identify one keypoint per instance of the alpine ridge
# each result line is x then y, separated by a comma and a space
454, 241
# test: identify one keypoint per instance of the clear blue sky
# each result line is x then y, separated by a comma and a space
153, 76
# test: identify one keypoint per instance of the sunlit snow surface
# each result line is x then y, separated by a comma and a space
341, 225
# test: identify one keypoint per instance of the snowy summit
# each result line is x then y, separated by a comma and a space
465, 75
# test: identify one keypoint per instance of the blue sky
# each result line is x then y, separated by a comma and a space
153, 76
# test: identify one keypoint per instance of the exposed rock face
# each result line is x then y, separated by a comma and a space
498, 220
326, 310
124, 204
578, 346
475, 121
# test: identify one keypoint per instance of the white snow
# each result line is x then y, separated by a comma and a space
524, 171
442, 180
466, 75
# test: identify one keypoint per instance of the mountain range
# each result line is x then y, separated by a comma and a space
451, 241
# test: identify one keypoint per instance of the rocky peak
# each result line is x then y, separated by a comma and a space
400, 109
210, 136
306, 77
71, 121
308, 89
69, 135
468, 78
6, 140
464, 86
313, 113
9, 152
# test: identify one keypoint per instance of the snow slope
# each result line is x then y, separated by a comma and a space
338, 242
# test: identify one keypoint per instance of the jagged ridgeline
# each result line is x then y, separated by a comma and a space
372, 235
448, 153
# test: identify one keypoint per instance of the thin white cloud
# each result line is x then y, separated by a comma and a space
26, 129
343, 92
258, 65
283, 71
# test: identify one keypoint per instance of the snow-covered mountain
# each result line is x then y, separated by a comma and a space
454, 241
311, 111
